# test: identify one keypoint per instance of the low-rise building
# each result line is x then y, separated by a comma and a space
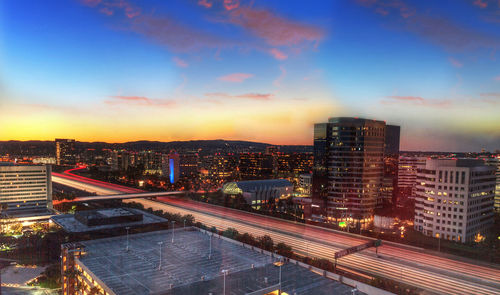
259, 192
454, 198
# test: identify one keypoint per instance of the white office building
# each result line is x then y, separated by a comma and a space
495, 162
25, 189
454, 198
407, 176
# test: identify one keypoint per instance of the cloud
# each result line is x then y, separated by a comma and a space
251, 96
497, 78
281, 77
490, 98
455, 62
417, 101
179, 62
437, 29
205, 3
278, 54
106, 11
140, 101
480, 4
108, 7
276, 30
235, 77
231, 4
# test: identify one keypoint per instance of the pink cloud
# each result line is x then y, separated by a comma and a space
231, 4
106, 11
139, 100
418, 101
480, 4
251, 96
278, 54
497, 78
235, 77
179, 62
276, 30
205, 3
281, 77
455, 62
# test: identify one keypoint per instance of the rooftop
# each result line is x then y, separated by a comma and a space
253, 185
187, 269
71, 224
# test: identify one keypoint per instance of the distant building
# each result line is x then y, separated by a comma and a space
495, 162
188, 165
259, 192
256, 166
348, 169
305, 183
223, 166
392, 139
407, 176
65, 152
454, 198
170, 166
25, 189
120, 160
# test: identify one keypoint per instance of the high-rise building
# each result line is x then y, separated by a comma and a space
65, 152
349, 152
25, 189
495, 162
120, 160
392, 138
389, 186
454, 198
171, 167
407, 176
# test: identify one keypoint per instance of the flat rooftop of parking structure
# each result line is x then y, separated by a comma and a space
71, 224
187, 269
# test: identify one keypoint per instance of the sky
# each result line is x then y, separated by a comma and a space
125, 70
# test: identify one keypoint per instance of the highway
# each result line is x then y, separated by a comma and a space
410, 265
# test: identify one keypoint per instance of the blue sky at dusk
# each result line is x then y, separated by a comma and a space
123, 70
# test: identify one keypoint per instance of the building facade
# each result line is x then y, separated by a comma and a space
407, 176
25, 189
454, 198
65, 152
348, 169
258, 193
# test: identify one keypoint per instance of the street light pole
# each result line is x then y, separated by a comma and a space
127, 228
224, 271
159, 265
173, 230
210, 248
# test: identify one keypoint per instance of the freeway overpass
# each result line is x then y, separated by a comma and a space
433, 272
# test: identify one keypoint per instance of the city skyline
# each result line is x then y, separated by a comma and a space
117, 71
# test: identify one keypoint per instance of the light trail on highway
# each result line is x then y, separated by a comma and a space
406, 264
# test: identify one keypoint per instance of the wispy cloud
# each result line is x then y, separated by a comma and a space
251, 96
180, 62
281, 77
490, 98
205, 3
481, 4
108, 7
274, 29
497, 78
140, 101
235, 77
455, 63
417, 101
231, 4
278, 54
437, 29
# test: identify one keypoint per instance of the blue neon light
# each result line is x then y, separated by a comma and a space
171, 166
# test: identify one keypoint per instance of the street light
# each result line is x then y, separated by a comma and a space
280, 264
127, 228
210, 248
159, 265
173, 230
224, 271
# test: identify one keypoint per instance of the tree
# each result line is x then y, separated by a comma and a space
94, 291
230, 233
284, 250
266, 243
247, 239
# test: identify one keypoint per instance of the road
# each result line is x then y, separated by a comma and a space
410, 265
